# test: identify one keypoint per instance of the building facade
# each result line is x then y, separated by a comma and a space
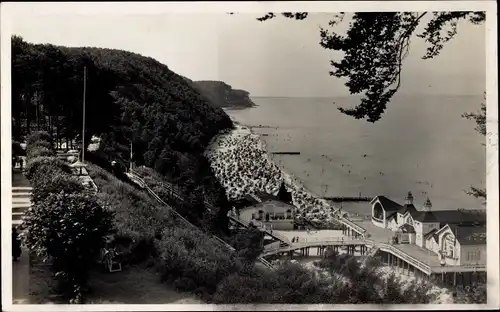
458, 237
273, 214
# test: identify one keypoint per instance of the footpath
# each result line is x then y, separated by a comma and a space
20, 268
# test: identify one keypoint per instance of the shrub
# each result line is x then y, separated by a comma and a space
45, 165
291, 283
189, 253
38, 136
46, 184
138, 217
70, 229
33, 151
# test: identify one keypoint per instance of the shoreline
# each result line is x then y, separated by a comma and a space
242, 163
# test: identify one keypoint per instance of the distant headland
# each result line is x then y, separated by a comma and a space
220, 94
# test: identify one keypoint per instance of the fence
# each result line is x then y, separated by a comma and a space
231, 248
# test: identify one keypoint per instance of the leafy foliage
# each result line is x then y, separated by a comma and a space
480, 119
375, 47
194, 261
45, 165
347, 282
70, 229
55, 182
248, 244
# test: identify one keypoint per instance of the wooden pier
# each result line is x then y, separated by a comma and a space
349, 199
285, 153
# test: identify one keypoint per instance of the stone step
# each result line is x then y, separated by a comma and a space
21, 205
19, 210
21, 200
21, 195
17, 215
22, 189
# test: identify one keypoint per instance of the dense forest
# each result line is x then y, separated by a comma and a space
130, 100
220, 94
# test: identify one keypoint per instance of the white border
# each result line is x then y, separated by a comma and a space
15, 10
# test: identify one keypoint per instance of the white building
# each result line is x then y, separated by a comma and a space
434, 229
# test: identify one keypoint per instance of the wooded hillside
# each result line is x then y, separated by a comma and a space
130, 99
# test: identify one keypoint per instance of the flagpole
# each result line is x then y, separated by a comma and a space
84, 97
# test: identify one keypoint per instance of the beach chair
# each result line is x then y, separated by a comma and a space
110, 260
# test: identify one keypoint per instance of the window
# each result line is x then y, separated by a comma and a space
474, 255
279, 215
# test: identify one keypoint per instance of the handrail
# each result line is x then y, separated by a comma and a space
313, 244
406, 257
231, 248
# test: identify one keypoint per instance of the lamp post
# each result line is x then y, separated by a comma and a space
83, 123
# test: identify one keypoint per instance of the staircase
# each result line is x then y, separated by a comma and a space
21, 201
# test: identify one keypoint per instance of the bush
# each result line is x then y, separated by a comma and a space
33, 151
45, 165
70, 229
188, 253
38, 136
291, 283
55, 182
138, 217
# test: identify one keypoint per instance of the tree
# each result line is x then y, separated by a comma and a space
68, 230
375, 46
248, 244
480, 119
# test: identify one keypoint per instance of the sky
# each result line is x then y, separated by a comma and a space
279, 57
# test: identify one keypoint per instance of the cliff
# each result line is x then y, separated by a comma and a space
221, 94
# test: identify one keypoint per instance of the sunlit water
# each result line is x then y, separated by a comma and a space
421, 144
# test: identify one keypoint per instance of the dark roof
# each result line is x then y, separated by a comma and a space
425, 216
409, 208
388, 204
450, 217
265, 196
469, 235
392, 215
430, 233
406, 228
246, 200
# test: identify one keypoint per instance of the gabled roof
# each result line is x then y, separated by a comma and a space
470, 235
265, 196
387, 204
430, 233
391, 216
409, 208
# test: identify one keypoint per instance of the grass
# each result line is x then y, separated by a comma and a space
134, 285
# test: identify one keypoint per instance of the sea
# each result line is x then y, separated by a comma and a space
421, 144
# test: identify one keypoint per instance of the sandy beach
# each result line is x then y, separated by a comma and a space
240, 160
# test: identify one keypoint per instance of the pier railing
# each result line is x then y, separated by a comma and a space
318, 243
406, 257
